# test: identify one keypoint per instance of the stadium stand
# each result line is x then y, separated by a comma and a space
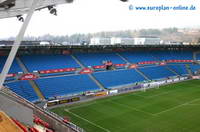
59, 86
182, 55
198, 56
24, 89
92, 59
46, 62
162, 55
55, 84
194, 67
138, 56
156, 72
180, 69
14, 68
117, 78
66, 85
172, 55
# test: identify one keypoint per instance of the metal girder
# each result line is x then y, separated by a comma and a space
17, 43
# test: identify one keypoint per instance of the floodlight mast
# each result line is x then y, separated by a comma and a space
17, 43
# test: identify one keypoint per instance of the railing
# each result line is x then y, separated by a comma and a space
47, 112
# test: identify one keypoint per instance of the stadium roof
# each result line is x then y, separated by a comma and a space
101, 47
13, 8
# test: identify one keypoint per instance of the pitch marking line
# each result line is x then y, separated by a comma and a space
106, 130
163, 93
128, 94
88, 104
187, 103
82, 105
139, 95
131, 94
194, 104
131, 108
94, 102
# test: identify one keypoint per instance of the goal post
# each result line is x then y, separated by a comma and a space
157, 85
151, 85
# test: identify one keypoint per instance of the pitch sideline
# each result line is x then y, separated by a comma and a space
106, 130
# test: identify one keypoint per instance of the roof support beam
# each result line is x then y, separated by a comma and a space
17, 43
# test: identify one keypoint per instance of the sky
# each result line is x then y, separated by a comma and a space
90, 16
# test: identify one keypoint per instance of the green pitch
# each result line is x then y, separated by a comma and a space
171, 108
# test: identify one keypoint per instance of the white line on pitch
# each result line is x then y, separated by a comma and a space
194, 104
87, 120
82, 105
177, 106
131, 108
155, 95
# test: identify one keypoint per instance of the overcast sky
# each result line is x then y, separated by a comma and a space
88, 16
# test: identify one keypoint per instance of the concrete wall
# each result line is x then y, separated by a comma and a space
24, 114
16, 110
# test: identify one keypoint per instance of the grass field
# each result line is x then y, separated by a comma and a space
171, 108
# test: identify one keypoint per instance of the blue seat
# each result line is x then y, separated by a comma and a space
157, 72
14, 68
120, 77
66, 85
92, 59
138, 56
162, 55
194, 67
74, 84
183, 55
180, 69
24, 89
198, 56
173, 55
46, 62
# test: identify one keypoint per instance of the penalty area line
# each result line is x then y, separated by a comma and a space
135, 109
106, 130
184, 104
194, 104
